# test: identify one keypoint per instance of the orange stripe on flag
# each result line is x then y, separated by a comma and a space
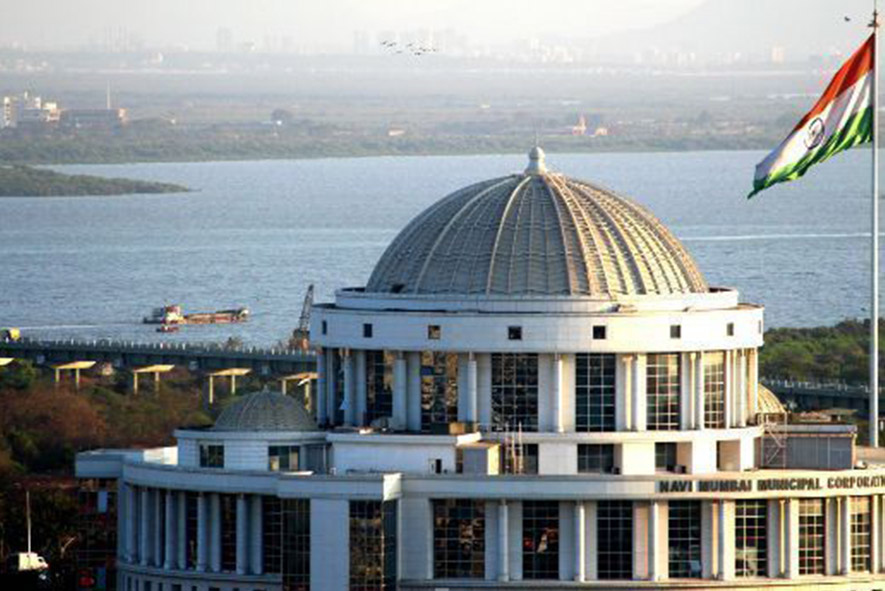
853, 70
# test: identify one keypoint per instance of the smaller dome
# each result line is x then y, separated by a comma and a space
265, 411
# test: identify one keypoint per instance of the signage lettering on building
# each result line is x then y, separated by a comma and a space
740, 485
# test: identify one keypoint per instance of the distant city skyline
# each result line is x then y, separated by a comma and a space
329, 26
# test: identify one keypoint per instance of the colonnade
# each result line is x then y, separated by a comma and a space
342, 382
578, 543
154, 530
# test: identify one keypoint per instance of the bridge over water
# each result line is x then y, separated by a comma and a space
211, 360
823, 395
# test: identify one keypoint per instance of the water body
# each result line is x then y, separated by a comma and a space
257, 233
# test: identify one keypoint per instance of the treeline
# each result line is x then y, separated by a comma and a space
837, 353
265, 142
43, 427
24, 181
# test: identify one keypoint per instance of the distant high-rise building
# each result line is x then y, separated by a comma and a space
778, 54
224, 40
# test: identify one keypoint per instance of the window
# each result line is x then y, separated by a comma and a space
714, 390
684, 527
439, 391
729, 329
812, 528
367, 331
295, 538
228, 532
665, 456
614, 539
325, 327
372, 545
596, 458
860, 534
663, 383
594, 392
514, 392
459, 539
675, 331
520, 458
751, 538
282, 458
599, 333
272, 533
434, 332
540, 539
190, 529
211, 455
514, 333
379, 385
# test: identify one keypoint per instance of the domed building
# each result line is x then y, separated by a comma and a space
536, 389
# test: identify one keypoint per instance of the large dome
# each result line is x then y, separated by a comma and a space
265, 411
536, 233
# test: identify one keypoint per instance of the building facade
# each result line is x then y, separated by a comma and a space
536, 389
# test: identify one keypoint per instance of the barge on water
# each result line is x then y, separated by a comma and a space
172, 315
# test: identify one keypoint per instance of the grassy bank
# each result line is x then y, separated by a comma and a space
24, 181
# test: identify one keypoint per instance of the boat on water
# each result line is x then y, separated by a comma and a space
173, 316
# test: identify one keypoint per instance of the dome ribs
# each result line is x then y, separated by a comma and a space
620, 273
580, 278
504, 222
536, 234
396, 263
432, 253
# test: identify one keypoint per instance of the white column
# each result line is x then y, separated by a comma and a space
215, 532
242, 532
132, 523
580, 542
874, 534
503, 554
202, 532
754, 383
742, 394
321, 404
257, 534
144, 529
729, 389
359, 361
725, 534
686, 394
472, 412
654, 547
181, 505
349, 389
332, 358
556, 386
624, 398
638, 395
699, 391
169, 532
158, 527
790, 512
400, 392
774, 546
845, 534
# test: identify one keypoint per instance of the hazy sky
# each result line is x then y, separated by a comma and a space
319, 23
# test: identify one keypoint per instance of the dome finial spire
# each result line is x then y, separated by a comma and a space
536, 161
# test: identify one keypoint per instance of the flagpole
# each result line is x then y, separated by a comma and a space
874, 308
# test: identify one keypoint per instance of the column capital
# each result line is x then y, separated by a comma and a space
628, 358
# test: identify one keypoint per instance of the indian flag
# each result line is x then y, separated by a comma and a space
841, 119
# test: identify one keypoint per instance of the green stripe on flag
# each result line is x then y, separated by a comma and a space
857, 130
